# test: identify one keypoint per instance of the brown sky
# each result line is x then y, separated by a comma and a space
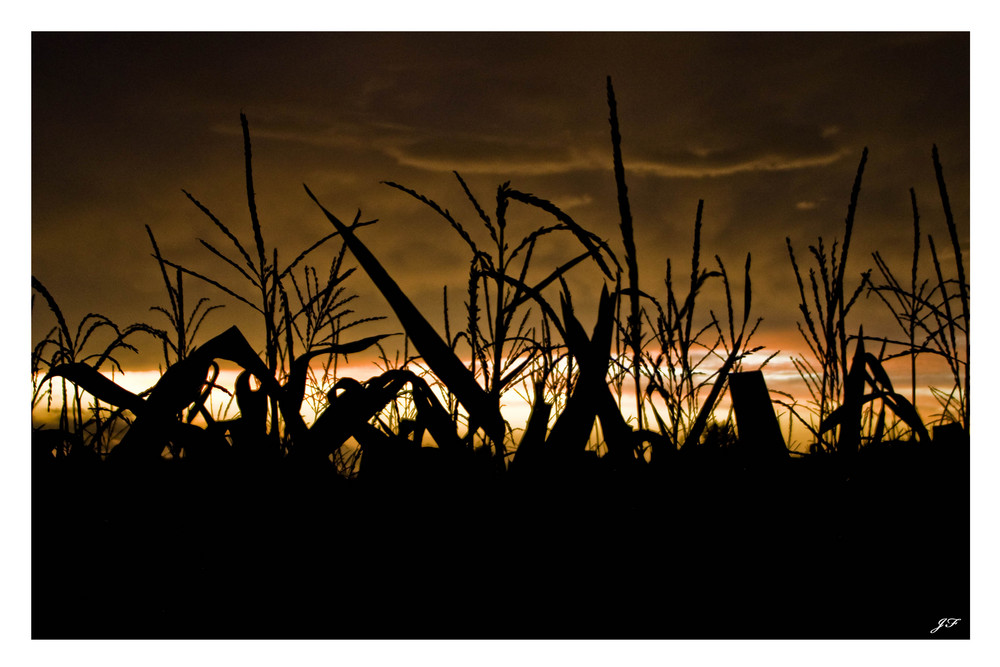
766, 128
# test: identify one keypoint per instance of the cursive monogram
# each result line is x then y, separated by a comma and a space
946, 623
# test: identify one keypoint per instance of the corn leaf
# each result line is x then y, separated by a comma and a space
439, 357
93, 382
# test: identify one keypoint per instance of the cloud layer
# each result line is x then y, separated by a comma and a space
766, 129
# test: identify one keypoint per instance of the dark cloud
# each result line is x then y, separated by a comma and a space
767, 129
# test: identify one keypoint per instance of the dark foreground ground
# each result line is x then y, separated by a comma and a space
706, 547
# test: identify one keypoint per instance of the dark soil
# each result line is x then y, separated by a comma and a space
704, 546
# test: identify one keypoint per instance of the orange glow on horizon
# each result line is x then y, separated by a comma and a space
780, 375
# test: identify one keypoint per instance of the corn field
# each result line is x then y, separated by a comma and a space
629, 504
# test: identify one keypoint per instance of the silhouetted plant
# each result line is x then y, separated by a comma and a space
867, 370
501, 353
61, 346
825, 333
183, 386
927, 315
680, 370
319, 308
633, 327
482, 407
518, 340
324, 316
183, 326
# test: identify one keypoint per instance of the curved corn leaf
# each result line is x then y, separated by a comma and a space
878, 373
701, 421
843, 412
295, 386
905, 411
442, 361
593, 244
351, 409
93, 382
252, 404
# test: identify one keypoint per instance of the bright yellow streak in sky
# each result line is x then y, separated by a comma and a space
779, 374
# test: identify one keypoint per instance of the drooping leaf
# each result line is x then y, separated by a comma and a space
593, 244
93, 382
879, 375
905, 411
251, 427
295, 385
846, 412
482, 408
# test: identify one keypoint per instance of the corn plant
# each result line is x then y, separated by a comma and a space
482, 408
589, 399
825, 312
680, 366
928, 315
318, 306
183, 326
184, 386
514, 337
319, 319
867, 371
632, 328
674, 367
62, 346
504, 350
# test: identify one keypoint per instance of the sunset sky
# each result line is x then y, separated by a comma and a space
768, 129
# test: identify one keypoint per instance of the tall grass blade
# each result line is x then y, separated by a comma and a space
963, 289
634, 333
839, 283
251, 198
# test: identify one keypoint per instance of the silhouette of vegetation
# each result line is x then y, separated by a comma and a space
61, 347
928, 316
411, 484
827, 327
